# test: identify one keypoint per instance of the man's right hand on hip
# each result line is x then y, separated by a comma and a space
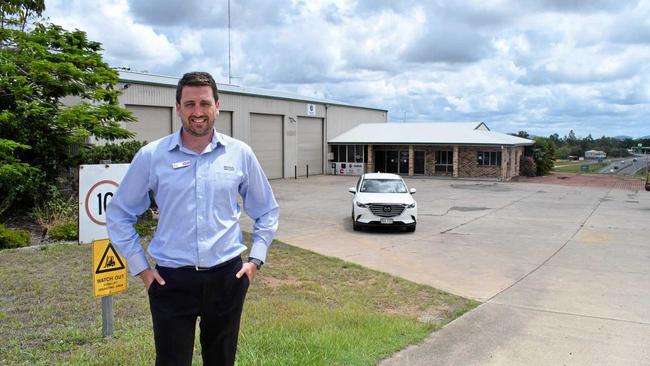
149, 275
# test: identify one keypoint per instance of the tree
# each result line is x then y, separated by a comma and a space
18, 12
40, 66
571, 139
523, 134
544, 155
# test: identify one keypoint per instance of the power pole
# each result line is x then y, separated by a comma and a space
229, 74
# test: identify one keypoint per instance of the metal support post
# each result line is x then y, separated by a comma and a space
107, 316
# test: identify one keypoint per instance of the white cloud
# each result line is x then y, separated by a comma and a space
126, 43
540, 65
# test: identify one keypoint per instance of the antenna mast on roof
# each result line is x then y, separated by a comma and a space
229, 75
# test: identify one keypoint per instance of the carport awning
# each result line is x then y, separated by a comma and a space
427, 133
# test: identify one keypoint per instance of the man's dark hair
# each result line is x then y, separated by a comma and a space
196, 78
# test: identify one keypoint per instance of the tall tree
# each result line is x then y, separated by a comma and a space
40, 64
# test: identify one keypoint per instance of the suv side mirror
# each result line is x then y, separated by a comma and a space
352, 190
412, 190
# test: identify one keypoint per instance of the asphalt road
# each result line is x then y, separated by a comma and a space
627, 165
562, 271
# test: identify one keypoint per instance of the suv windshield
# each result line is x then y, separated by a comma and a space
383, 186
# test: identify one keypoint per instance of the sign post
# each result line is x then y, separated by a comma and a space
97, 185
109, 277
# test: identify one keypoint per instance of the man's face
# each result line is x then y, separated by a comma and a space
198, 110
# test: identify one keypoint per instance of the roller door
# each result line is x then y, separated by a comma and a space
266, 141
310, 145
153, 122
223, 124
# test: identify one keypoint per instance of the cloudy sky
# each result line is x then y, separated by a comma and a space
543, 66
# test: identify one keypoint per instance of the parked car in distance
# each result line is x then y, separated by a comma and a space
382, 199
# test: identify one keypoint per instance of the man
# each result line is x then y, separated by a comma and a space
195, 176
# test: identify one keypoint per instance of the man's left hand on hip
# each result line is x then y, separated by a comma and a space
250, 269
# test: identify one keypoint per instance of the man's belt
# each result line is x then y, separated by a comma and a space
201, 269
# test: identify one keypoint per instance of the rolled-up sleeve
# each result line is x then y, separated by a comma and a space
131, 200
261, 206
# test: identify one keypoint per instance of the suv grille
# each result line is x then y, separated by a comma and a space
386, 210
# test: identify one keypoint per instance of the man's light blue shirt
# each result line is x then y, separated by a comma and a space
196, 196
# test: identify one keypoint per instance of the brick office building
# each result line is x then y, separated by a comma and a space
460, 150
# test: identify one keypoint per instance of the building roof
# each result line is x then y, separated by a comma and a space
152, 79
445, 133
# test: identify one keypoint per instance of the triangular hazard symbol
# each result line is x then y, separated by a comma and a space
110, 261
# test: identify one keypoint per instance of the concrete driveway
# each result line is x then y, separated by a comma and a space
564, 272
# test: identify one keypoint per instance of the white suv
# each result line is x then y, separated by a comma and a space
382, 199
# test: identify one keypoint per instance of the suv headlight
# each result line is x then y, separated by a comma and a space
362, 205
412, 205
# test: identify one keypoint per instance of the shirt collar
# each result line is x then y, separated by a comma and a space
217, 139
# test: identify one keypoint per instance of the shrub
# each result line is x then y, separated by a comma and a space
13, 238
527, 166
65, 231
544, 155
20, 183
146, 225
57, 209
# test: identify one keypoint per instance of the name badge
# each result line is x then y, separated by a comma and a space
181, 164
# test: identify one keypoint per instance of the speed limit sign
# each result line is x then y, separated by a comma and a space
97, 185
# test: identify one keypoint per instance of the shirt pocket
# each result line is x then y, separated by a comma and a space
225, 186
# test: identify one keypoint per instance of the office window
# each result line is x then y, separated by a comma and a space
489, 158
358, 155
444, 162
342, 155
350, 153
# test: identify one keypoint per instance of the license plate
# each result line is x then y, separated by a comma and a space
386, 221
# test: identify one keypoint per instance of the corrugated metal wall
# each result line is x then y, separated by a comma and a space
310, 145
237, 115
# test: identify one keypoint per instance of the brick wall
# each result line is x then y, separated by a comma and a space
468, 165
430, 158
465, 162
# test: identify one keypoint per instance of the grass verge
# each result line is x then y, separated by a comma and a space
302, 309
576, 168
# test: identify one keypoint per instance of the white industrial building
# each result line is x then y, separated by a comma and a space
287, 132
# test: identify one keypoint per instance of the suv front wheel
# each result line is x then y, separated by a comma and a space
355, 226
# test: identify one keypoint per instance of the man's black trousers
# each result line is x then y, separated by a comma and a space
215, 295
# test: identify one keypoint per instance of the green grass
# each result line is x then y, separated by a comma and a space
641, 173
574, 167
302, 309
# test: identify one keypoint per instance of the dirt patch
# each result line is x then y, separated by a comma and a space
432, 314
273, 282
586, 180
22, 222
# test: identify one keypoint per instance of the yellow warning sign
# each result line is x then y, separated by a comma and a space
109, 269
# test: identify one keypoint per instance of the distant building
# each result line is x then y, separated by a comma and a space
459, 150
595, 154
